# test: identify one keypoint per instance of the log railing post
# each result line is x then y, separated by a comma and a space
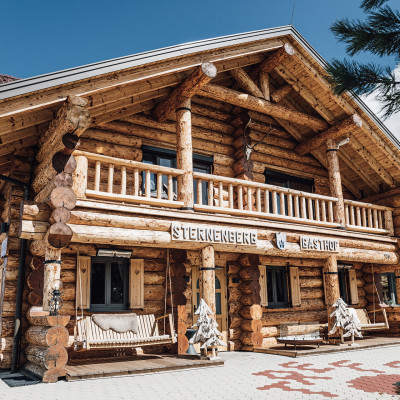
208, 277
389, 222
335, 181
184, 154
332, 293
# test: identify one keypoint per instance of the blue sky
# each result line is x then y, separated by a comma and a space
44, 36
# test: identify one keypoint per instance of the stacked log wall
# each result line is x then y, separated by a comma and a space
13, 196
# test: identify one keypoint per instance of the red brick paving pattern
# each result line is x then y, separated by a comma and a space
354, 366
379, 383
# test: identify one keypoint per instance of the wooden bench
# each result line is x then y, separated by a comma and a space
365, 322
88, 335
300, 334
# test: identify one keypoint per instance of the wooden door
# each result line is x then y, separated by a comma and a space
220, 302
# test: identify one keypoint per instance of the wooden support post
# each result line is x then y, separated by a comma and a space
183, 342
52, 271
208, 277
332, 293
80, 177
185, 153
335, 181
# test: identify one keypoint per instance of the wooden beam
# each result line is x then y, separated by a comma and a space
359, 171
276, 58
278, 94
187, 89
264, 85
305, 93
246, 83
333, 132
335, 182
184, 153
372, 162
208, 277
257, 104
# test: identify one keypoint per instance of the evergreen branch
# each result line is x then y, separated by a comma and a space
380, 34
365, 79
368, 5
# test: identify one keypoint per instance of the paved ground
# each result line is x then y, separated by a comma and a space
364, 374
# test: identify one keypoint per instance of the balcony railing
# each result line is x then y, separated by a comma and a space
368, 217
240, 197
120, 180
125, 181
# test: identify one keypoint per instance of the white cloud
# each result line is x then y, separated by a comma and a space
393, 122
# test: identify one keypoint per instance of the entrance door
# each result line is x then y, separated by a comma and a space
220, 302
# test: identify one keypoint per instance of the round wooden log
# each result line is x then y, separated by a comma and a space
36, 316
208, 277
250, 299
36, 263
35, 298
154, 278
47, 376
178, 269
62, 197
281, 317
60, 214
47, 357
37, 248
250, 287
178, 299
311, 282
235, 320
269, 331
249, 274
154, 265
234, 345
71, 142
63, 179
235, 333
63, 163
311, 293
234, 294
47, 335
7, 328
234, 307
233, 268
251, 325
34, 280
252, 338
59, 235
31, 210
154, 292
269, 341
179, 285
251, 312
248, 260
155, 307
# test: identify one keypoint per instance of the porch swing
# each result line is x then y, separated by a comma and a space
362, 314
99, 331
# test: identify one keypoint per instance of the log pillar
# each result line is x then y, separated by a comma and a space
332, 293
208, 277
184, 156
79, 185
52, 271
335, 181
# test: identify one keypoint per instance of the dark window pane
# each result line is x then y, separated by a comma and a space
198, 299
198, 284
117, 283
270, 286
217, 283
97, 292
280, 282
218, 303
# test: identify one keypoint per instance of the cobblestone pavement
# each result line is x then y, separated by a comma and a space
363, 374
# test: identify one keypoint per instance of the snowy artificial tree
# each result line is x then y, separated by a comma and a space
352, 328
207, 329
341, 315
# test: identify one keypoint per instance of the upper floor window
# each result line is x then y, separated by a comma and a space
167, 158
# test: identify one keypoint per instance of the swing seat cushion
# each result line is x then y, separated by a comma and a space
119, 323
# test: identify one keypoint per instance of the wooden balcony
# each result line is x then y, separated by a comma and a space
124, 181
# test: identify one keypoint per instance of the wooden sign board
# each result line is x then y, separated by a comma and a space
213, 234
315, 243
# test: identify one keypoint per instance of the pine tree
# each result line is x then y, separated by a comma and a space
352, 327
379, 34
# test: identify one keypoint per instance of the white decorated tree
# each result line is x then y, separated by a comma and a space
341, 315
207, 329
352, 328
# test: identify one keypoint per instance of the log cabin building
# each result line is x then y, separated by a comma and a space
225, 169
